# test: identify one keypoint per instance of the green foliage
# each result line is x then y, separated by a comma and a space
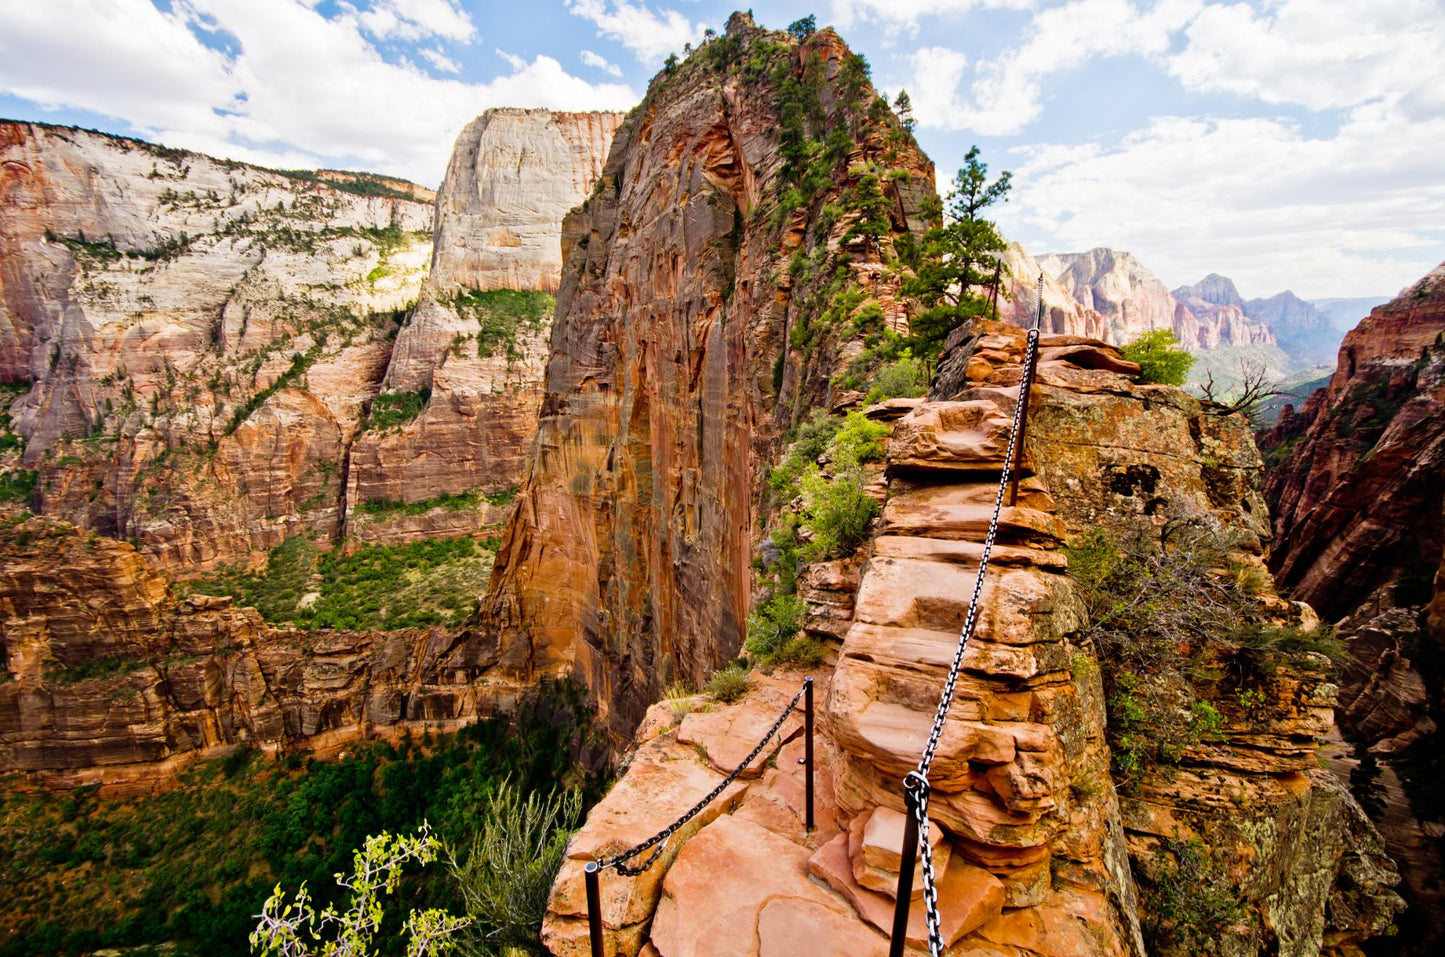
952, 263
507, 873
728, 685
359, 184
88, 670
1187, 899
1180, 638
299, 364
462, 501
17, 485
501, 314
87, 250
297, 928
813, 437
803, 27
430, 582
839, 513
904, 378
773, 622
395, 409
797, 652
1161, 359
192, 866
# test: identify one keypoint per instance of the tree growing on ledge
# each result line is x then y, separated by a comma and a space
954, 262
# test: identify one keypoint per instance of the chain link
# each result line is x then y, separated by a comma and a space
660, 840
917, 780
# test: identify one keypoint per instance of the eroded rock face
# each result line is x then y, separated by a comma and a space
671, 369
1358, 494
205, 341
110, 680
1110, 295
1038, 852
513, 176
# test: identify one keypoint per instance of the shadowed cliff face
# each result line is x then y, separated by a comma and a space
672, 368
1358, 487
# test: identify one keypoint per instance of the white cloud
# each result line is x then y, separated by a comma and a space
1319, 55
1255, 199
650, 36
1006, 94
303, 89
440, 60
600, 62
418, 20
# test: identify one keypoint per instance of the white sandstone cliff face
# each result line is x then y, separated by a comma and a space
203, 340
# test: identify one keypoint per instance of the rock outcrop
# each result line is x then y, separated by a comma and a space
692, 330
1038, 853
219, 357
1357, 484
111, 680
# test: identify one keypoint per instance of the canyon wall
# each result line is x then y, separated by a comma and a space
216, 357
1357, 487
110, 679
693, 329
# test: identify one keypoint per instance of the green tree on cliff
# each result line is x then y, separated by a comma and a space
954, 261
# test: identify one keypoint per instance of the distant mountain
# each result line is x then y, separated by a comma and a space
1344, 313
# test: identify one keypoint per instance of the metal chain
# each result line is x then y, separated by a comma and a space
661, 838
918, 779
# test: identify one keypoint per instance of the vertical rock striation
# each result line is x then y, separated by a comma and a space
689, 336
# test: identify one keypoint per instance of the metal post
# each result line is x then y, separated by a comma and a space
1025, 391
907, 860
594, 907
808, 743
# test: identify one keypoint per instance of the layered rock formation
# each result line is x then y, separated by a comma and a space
692, 330
219, 357
1357, 491
513, 175
1039, 854
110, 680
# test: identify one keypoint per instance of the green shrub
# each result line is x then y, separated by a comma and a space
728, 685
501, 314
394, 409
838, 513
1161, 358
506, 877
798, 652
17, 485
773, 622
906, 378
1187, 899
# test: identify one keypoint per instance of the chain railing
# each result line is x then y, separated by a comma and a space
657, 843
915, 784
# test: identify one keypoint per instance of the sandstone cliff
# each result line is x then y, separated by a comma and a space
111, 680
217, 357
1357, 492
1040, 854
694, 327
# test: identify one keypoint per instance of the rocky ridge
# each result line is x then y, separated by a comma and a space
693, 329
1040, 854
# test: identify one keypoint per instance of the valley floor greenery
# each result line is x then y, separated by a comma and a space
193, 866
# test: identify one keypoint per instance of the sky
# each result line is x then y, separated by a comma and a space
1288, 144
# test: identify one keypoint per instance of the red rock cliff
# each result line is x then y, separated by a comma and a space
689, 335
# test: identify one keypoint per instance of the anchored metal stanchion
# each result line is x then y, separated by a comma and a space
907, 860
808, 743
594, 907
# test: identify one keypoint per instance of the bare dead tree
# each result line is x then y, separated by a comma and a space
1248, 398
